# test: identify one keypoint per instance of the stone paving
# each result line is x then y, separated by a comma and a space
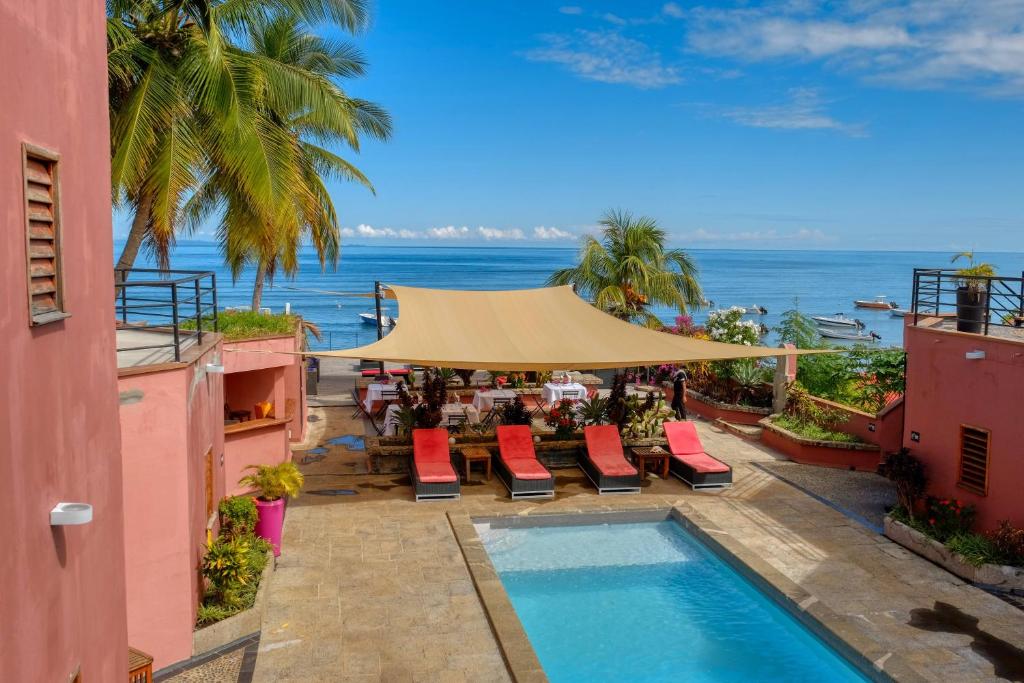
373, 587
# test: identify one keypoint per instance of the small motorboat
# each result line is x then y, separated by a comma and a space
851, 335
878, 302
899, 312
757, 310
371, 319
837, 320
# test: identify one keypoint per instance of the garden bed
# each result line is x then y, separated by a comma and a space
864, 457
1003, 577
238, 625
735, 413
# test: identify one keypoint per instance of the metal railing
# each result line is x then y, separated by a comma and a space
987, 302
180, 303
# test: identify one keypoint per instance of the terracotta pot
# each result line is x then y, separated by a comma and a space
271, 522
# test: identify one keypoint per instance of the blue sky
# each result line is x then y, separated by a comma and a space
791, 124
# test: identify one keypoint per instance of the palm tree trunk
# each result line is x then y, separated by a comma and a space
137, 232
257, 288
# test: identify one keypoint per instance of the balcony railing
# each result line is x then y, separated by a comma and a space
998, 302
178, 304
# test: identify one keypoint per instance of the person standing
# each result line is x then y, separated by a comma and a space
679, 393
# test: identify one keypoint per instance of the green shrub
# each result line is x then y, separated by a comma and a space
810, 430
515, 413
947, 518
1009, 542
232, 567
907, 473
210, 613
238, 515
975, 549
248, 324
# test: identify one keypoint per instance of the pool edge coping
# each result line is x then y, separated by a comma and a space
839, 632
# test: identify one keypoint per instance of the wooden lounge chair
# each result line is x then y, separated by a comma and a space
432, 473
690, 463
605, 464
517, 465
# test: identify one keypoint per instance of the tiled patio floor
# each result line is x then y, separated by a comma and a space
372, 587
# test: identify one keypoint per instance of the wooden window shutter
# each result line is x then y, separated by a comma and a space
42, 218
974, 449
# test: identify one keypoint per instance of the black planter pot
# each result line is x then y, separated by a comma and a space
970, 309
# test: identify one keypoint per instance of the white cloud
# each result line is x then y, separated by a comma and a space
919, 43
672, 9
571, 9
372, 232
543, 233
805, 110
605, 56
449, 232
614, 19
802, 235
496, 234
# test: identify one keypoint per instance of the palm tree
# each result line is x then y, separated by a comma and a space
271, 242
629, 269
188, 104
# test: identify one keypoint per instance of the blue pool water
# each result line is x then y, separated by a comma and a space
648, 602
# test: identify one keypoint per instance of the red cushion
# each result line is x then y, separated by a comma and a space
605, 450
395, 372
682, 438
515, 441
702, 462
435, 472
430, 445
526, 468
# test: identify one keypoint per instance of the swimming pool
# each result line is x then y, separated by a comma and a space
648, 602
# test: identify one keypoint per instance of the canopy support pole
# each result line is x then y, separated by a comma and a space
380, 325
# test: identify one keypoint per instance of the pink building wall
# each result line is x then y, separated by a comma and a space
170, 420
266, 445
884, 429
63, 588
249, 356
945, 390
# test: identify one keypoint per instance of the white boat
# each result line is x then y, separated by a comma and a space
851, 335
878, 302
899, 312
757, 309
837, 320
371, 319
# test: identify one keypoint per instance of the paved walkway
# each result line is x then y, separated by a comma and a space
372, 587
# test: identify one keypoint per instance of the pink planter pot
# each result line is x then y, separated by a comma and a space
271, 522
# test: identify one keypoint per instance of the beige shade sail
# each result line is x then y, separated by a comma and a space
530, 329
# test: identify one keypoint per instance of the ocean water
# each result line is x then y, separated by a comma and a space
822, 282
648, 602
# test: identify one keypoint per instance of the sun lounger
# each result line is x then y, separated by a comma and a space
432, 473
517, 465
605, 464
690, 463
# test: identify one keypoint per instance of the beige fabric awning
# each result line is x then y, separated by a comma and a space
530, 329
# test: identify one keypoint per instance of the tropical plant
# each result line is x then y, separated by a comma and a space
618, 408
630, 269
206, 117
749, 378
274, 481
1009, 543
226, 566
466, 375
646, 423
908, 475
238, 515
593, 411
447, 374
563, 418
946, 518
515, 413
798, 329
973, 276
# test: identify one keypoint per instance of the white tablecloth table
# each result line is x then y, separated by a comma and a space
484, 400
554, 392
391, 416
375, 392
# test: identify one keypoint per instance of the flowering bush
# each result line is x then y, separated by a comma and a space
1009, 543
727, 325
562, 417
946, 518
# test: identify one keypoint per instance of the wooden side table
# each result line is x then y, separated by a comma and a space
471, 454
656, 455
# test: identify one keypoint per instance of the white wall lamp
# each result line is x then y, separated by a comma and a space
975, 355
65, 514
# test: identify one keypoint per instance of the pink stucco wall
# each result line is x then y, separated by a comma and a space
170, 420
263, 446
62, 592
251, 356
884, 429
944, 391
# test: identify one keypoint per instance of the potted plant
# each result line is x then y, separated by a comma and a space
273, 484
971, 293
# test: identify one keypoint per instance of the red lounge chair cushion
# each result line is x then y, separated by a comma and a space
430, 445
605, 450
396, 372
702, 462
435, 472
526, 468
515, 448
682, 438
